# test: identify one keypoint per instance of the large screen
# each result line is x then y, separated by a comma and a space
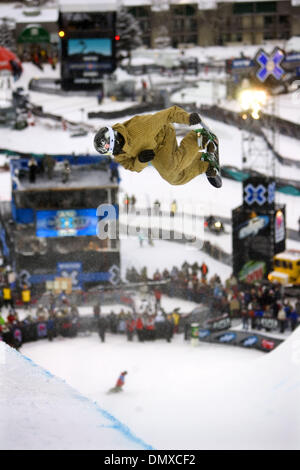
94, 47
66, 223
85, 60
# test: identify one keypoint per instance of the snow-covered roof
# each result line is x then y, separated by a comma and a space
290, 255
80, 177
89, 5
28, 15
278, 274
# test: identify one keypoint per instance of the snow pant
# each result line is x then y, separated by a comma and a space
50, 334
281, 325
130, 335
149, 334
102, 335
245, 323
178, 164
140, 335
8, 302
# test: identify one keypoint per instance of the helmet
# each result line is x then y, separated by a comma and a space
104, 140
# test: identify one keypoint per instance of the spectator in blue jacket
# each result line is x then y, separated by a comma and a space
259, 313
51, 327
293, 318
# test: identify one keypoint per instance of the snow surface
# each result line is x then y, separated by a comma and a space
40, 411
176, 396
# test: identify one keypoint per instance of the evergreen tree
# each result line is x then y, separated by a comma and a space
7, 38
130, 34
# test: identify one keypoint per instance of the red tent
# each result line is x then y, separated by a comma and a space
9, 61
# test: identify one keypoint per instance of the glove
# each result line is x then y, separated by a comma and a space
146, 156
194, 119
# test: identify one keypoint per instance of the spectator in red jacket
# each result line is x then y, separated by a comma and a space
130, 327
12, 317
140, 328
157, 295
204, 271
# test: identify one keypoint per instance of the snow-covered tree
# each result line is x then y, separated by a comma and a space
130, 34
7, 37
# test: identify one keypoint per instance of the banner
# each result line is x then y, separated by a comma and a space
245, 339
66, 223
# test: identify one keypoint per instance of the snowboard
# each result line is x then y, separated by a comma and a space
115, 390
209, 152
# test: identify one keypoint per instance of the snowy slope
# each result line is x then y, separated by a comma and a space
40, 411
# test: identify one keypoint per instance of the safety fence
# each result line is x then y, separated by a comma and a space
245, 339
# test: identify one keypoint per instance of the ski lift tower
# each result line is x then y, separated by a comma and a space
257, 152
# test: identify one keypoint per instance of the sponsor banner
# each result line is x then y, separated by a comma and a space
253, 226
249, 341
269, 323
41, 330
252, 271
244, 339
204, 334
279, 227
267, 344
221, 323
228, 337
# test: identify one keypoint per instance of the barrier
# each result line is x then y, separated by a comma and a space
244, 339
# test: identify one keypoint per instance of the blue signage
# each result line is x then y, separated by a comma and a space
255, 194
71, 270
249, 341
204, 334
270, 65
66, 223
227, 337
241, 63
292, 57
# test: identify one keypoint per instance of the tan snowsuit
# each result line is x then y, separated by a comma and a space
176, 164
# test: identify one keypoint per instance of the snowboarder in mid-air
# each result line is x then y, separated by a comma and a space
120, 382
152, 137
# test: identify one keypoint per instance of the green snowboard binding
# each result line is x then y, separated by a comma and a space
209, 148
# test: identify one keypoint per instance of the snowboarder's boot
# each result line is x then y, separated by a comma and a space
214, 177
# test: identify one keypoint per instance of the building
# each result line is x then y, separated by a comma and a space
214, 22
183, 23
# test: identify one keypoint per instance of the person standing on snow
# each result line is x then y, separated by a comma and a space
152, 137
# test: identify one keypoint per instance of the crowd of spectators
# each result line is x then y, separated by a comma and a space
258, 305
147, 324
60, 317
40, 322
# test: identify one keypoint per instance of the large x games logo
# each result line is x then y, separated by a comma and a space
259, 194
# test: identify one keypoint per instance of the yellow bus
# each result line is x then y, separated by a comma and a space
286, 268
